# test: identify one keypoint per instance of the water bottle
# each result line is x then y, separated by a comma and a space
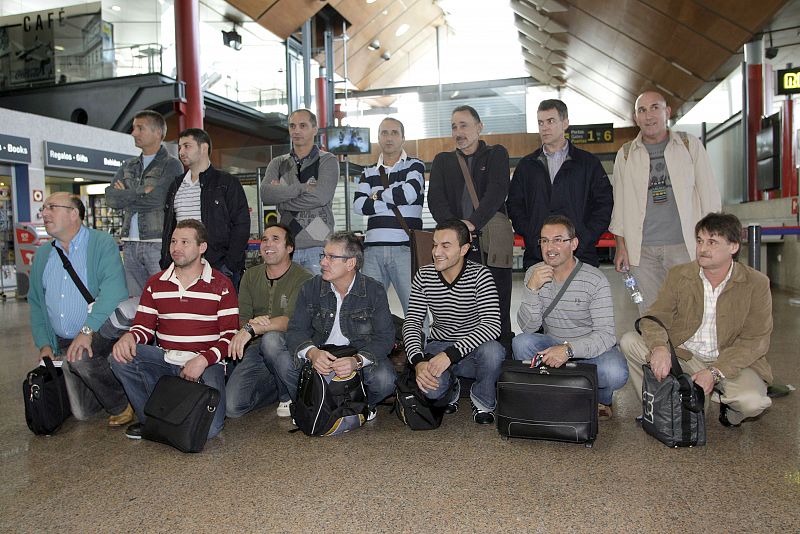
633, 289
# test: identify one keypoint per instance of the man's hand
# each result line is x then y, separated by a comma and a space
193, 369
621, 263
148, 188
470, 226
46, 351
238, 343
322, 360
119, 185
542, 274
660, 362
261, 320
344, 366
82, 342
554, 356
125, 349
428, 372
705, 380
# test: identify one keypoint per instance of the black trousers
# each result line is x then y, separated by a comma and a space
502, 279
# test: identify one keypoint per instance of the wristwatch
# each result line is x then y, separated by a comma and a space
249, 329
86, 330
717, 374
359, 362
569, 352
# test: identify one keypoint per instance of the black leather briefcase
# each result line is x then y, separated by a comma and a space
179, 413
46, 402
557, 404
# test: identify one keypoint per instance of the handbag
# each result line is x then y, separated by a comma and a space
179, 413
420, 241
673, 409
413, 408
44, 391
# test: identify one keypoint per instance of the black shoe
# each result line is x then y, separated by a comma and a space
481, 417
723, 416
451, 408
134, 431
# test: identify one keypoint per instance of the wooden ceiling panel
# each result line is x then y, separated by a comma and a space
358, 12
386, 75
724, 32
600, 93
253, 8
284, 17
752, 16
370, 65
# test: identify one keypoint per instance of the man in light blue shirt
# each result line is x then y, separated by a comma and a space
63, 323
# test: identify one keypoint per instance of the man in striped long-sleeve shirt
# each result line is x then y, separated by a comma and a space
192, 312
462, 297
581, 325
387, 255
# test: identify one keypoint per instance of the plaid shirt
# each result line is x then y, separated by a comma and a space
703, 344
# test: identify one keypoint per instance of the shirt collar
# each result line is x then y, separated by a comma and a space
403, 157
725, 281
349, 288
205, 276
77, 240
311, 155
560, 152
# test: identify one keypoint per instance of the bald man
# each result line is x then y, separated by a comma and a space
663, 184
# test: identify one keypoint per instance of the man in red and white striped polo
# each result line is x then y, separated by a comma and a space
192, 312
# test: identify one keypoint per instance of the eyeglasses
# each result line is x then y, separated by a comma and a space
557, 241
331, 257
50, 207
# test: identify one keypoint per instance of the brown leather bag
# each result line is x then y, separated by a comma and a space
420, 241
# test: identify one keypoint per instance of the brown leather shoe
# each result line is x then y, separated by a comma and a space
604, 412
122, 419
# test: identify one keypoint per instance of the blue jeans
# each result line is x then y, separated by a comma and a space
482, 364
308, 258
141, 262
252, 385
391, 263
139, 378
612, 369
378, 380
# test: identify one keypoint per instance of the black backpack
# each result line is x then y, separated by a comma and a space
329, 405
413, 408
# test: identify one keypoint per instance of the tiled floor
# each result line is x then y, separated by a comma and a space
257, 477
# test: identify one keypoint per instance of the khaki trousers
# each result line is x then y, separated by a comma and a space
745, 395
652, 270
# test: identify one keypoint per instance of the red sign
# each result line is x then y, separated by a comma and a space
25, 237
794, 206
38, 195
27, 256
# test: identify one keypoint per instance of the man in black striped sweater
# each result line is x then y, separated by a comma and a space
462, 297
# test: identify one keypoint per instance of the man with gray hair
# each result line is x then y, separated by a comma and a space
139, 189
341, 307
559, 179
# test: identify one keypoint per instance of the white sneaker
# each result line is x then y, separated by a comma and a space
373, 413
283, 409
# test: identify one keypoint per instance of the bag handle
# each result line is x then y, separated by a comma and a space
675, 369
468, 179
72, 274
563, 289
400, 218
51, 369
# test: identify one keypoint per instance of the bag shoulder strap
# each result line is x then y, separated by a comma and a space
400, 218
685, 138
626, 149
563, 289
468, 179
72, 274
676, 368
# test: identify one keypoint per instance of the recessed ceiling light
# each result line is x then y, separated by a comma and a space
371, 1
401, 30
78, 179
374, 45
116, 8
58, 48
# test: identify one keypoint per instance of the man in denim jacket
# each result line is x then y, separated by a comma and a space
341, 306
139, 189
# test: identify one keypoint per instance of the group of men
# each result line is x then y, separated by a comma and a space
317, 287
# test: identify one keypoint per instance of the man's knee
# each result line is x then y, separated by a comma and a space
524, 346
491, 356
751, 404
380, 378
613, 372
273, 343
633, 347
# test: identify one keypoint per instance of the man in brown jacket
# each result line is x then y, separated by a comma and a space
718, 314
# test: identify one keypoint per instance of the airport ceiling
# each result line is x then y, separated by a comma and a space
608, 51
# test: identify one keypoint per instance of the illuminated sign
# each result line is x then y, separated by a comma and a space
788, 81
17, 149
590, 134
76, 157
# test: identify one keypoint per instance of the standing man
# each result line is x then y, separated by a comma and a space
462, 298
61, 320
449, 197
214, 197
267, 298
301, 184
190, 310
139, 189
387, 254
580, 325
559, 179
342, 307
663, 185
718, 316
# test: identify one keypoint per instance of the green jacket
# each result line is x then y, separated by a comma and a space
744, 317
105, 281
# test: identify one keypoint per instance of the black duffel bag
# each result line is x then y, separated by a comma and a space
413, 408
179, 413
673, 409
46, 402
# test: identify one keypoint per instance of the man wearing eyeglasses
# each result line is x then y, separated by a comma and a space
342, 307
580, 325
63, 323
559, 178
